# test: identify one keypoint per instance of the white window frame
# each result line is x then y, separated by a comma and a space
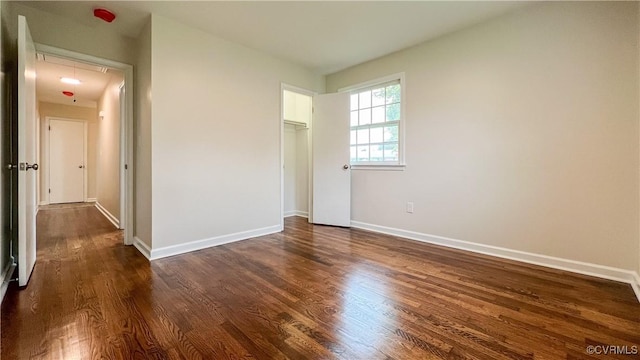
401, 164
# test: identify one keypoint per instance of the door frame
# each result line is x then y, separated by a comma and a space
46, 158
292, 88
126, 129
122, 102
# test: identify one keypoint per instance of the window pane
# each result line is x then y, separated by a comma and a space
365, 116
393, 93
363, 136
391, 133
376, 153
393, 112
353, 137
353, 154
377, 115
354, 118
391, 152
354, 101
365, 99
377, 97
363, 153
376, 135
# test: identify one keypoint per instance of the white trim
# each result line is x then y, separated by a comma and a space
601, 271
92, 200
122, 102
43, 203
635, 284
126, 134
299, 213
6, 279
142, 247
210, 242
108, 215
383, 167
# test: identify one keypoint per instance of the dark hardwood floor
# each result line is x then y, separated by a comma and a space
312, 292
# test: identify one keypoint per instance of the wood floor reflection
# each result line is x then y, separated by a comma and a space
312, 292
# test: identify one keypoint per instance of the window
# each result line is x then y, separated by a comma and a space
376, 120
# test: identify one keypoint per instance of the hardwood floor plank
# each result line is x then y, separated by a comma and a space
310, 292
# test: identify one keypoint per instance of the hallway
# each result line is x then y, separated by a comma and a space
64, 310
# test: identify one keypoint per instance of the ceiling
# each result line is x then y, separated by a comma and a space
323, 36
49, 88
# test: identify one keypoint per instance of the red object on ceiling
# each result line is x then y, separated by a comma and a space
67, 93
104, 14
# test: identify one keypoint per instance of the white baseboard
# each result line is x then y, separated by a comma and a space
299, 213
43, 203
635, 284
92, 200
142, 247
605, 272
6, 278
210, 242
108, 215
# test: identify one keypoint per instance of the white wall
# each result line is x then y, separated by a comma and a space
90, 116
108, 158
296, 170
302, 171
142, 140
290, 172
521, 132
55, 30
215, 132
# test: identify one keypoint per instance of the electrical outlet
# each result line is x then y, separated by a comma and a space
410, 207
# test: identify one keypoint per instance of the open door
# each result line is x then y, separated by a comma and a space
26, 152
331, 171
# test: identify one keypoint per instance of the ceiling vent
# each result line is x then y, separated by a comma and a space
78, 65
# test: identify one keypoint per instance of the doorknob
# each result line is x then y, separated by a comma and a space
11, 166
26, 166
346, 167
80, 167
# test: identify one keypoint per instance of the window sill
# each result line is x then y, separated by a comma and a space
382, 167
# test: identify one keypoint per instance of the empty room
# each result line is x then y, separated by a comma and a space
320, 180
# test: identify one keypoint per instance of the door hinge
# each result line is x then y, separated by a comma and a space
49, 127
49, 191
126, 166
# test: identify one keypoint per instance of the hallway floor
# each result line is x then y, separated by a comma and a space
312, 292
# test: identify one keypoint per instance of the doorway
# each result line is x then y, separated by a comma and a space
67, 159
108, 121
297, 108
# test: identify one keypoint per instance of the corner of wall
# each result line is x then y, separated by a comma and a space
638, 76
142, 139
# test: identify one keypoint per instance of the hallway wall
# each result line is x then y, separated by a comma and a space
108, 157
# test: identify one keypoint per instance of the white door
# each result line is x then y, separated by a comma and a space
330, 151
66, 161
26, 152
